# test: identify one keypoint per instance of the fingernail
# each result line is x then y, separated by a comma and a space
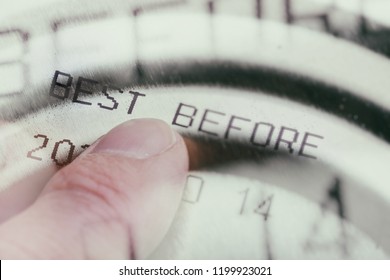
139, 138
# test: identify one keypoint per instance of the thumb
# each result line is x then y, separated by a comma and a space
117, 200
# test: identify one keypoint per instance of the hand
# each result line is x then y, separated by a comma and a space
115, 201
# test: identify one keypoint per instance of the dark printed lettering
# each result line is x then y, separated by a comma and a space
269, 136
206, 120
231, 125
289, 143
134, 100
189, 117
306, 143
55, 85
80, 90
115, 103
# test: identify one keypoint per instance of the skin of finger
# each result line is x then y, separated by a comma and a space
99, 207
24, 192
18, 195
